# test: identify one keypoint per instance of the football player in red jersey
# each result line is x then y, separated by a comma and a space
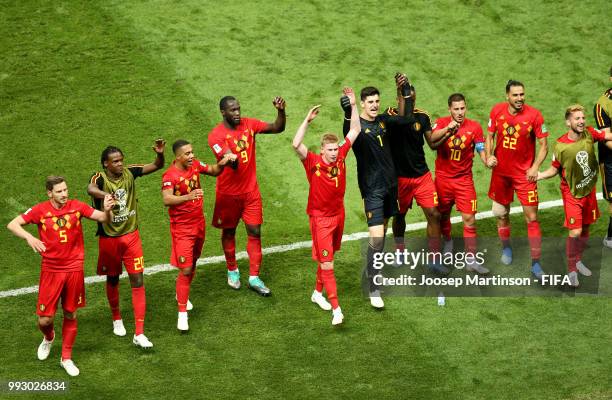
454, 180
238, 195
514, 128
326, 174
574, 159
182, 194
62, 251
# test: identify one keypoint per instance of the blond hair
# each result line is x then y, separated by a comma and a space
572, 109
329, 138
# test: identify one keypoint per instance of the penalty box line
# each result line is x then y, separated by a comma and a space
241, 255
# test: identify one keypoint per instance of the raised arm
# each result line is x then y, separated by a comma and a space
16, 228
279, 125
158, 163
354, 125
405, 95
300, 149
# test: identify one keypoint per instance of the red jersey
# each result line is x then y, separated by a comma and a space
240, 141
327, 183
182, 183
598, 136
61, 232
455, 156
516, 136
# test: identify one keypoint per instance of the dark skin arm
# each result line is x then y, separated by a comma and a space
277, 126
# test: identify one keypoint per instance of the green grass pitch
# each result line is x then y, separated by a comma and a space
76, 76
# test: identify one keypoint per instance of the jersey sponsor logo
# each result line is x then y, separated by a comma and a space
61, 221
334, 171
217, 148
241, 144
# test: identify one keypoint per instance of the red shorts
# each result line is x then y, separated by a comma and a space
69, 286
229, 209
503, 187
579, 212
187, 243
456, 190
422, 189
326, 236
126, 249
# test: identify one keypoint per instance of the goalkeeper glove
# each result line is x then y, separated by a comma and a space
345, 103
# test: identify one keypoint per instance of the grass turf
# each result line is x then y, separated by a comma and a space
77, 76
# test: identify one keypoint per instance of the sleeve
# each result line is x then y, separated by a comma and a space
555, 158
492, 124
136, 170
203, 167
345, 148
85, 209
425, 122
167, 181
539, 127
602, 119
391, 118
478, 135
97, 180
256, 125
598, 136
217, 144
439, 124
308, 161
31, 215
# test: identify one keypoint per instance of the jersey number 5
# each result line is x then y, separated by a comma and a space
63, 236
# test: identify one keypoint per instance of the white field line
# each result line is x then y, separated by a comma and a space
281, 248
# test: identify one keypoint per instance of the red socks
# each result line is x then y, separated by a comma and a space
469, 236
229, 248
183, 283
112, 294
47, 331
319, 281
535, 239
399, 243
254, 252
139, 302
69, 331
445, 228
329, 281
572, 251
504, 235
434, 244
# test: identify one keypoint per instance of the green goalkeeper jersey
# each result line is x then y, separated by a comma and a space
125, 212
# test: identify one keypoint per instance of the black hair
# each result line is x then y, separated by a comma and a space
512, 83
178, 144
223, 102
368, 91
107, 152
455, 97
